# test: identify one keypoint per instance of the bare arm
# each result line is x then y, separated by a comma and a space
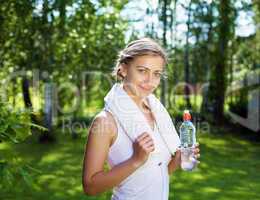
175, 162
95, 179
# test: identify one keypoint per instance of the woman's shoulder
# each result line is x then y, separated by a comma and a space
106, 118
104, 122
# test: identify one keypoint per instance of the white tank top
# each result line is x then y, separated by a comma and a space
148, 182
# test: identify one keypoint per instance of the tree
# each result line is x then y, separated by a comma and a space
62, 40
218, 78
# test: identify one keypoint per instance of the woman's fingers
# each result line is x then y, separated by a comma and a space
149, 149
148, 145
197, 156
196, 150
142, 136
146, 142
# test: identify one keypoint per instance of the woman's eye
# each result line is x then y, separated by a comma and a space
158, 75
141, 70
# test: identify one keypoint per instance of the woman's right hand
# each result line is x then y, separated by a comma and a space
143, 146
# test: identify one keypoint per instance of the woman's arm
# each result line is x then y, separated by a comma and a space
95, 179
175, 162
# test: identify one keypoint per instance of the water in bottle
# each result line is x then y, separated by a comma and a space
188, 141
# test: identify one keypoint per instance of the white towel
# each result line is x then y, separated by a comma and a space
133, 120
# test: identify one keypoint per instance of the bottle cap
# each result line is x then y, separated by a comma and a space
186, 115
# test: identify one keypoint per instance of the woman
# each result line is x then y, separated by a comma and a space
136, 171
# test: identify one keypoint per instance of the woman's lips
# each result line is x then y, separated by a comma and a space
146, 89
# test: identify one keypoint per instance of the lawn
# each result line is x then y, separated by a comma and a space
229, 169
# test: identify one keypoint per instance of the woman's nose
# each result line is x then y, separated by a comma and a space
148, 78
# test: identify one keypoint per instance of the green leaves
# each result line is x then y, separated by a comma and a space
15, 127
10, 173
25, 176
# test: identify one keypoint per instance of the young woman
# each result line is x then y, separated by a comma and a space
136, 171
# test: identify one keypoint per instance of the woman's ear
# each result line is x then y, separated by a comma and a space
123, 69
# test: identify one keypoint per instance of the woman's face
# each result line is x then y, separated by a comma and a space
143, 74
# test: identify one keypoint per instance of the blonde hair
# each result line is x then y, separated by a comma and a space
144, 46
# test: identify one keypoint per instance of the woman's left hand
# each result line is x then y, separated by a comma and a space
196, 152
175, 162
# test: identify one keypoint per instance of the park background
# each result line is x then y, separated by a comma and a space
56, 59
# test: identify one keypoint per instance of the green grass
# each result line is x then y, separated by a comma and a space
229, 169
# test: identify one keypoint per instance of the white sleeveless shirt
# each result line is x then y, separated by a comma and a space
148, 182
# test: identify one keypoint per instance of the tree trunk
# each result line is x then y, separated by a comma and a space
164, 18
172, 26
27, 97
209, 61
175, 47
186, 61
48, 113
26, 93
218, 81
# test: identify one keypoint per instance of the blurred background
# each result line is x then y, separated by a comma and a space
56, 59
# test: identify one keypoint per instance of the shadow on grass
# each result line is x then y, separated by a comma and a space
229, 169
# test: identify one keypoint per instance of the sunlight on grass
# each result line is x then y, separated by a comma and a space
5, 146
51, 157
210, 190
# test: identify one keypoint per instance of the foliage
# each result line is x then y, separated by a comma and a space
15, 127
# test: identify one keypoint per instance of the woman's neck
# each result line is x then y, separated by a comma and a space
141, 102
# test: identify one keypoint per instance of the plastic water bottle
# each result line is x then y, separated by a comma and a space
188, 141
